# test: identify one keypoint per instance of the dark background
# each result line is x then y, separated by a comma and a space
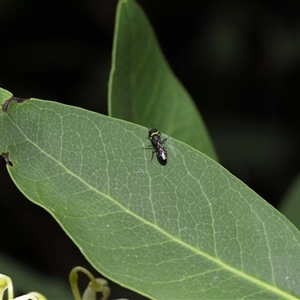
239, 60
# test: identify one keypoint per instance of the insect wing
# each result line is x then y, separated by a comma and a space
161, 153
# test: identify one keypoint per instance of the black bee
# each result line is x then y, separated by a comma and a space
156, 146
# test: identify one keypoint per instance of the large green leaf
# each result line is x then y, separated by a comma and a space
143, 89
187, 230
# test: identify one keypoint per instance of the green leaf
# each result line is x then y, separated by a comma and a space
144, 90
290, 205
187, 230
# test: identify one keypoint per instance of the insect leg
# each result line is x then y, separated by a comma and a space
148, 147
152, 154
164, 140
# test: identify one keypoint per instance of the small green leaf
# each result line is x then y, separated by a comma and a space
144, 90
187, 230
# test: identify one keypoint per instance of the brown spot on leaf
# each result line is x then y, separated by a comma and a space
8, 102
7, 158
